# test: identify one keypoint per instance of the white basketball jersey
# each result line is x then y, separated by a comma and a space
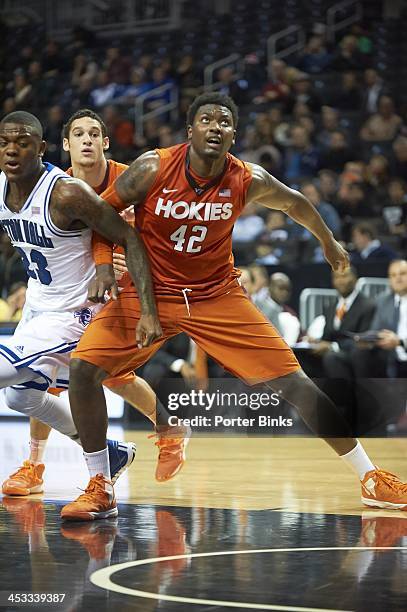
59, 263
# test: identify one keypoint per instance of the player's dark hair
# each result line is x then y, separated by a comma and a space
24, 118
84, 112
212, 98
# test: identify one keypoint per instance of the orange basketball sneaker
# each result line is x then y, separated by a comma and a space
97, 502
172, 441
381, 489
27, 479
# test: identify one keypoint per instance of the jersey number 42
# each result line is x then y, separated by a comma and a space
198, 235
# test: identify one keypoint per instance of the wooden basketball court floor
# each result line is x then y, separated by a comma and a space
249, 524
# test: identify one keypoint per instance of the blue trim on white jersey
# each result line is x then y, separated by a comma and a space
21, 362
47, 215
32, 385
32, 194
7, 353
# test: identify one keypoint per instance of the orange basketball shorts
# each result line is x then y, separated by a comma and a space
229, 328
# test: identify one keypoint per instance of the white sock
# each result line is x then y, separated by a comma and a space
358, 460
37, 448
98, 463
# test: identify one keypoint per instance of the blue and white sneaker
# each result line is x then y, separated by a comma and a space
121, 456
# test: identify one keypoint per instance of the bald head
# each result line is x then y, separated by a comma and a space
280, 288
26, 120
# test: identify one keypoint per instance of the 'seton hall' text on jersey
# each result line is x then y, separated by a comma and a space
21, 230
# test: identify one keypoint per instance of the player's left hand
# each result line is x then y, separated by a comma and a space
148, 329
102, 282
336, 255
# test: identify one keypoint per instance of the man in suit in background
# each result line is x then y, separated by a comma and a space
353, 312
387, 356
368, 248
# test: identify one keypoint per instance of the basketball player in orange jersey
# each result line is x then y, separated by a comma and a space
187, 198
85, 137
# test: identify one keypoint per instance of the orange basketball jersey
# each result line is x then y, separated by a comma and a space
113, 170
188, 236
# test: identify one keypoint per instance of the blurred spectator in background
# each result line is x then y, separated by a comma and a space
387, 355
301, 157
120, 130
337, 153
22, 90
53, 61
187, 76
328, 185
11, 265
348, 56
329, 125
53, 134
11, 308
246, 230
117, 66
138, 85
399, 163
261, 281
232, 85
395, 207
276, 89
384, 124
372, 90
105, 91
348, 97
83, 69
160, 77
288, 323
315, 58
352, 312
303, 91
325, 209
262, 299
274, 243
367, 247
354, 204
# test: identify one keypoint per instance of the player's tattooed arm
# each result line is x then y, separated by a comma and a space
133, 184
76, 202
270, 192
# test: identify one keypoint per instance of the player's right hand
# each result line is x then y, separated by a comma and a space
103, 282
336, 255
148, 329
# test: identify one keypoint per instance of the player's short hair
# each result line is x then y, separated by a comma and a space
212, 98
84, 112
24, 118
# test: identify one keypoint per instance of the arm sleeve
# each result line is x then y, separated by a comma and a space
101, 247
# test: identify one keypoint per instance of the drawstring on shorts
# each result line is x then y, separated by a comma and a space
184, 293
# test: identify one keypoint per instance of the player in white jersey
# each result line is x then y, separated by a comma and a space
47, 215
85, 137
